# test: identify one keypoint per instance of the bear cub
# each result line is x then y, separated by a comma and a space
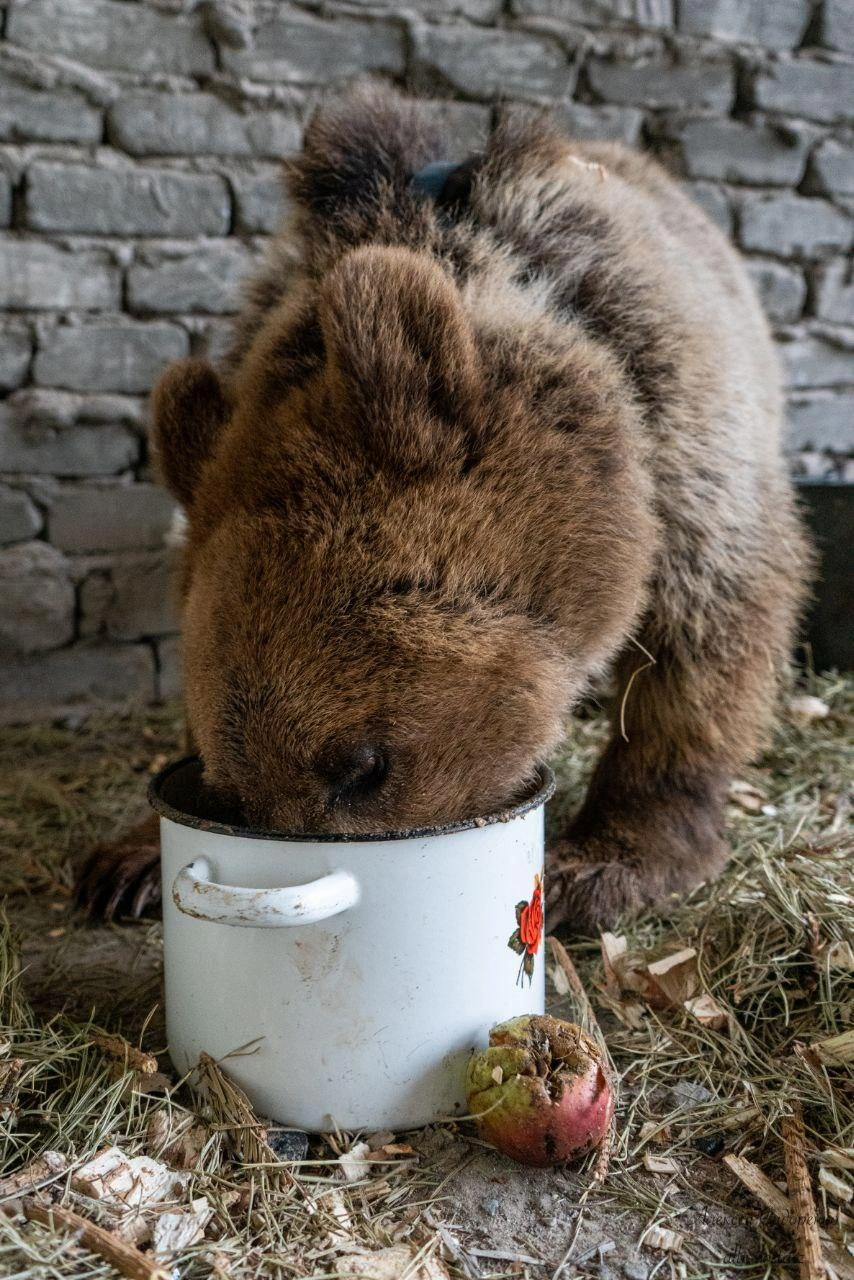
475, 448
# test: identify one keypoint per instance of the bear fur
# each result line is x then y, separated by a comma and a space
465, 459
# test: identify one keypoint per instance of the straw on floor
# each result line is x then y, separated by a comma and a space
722, 1106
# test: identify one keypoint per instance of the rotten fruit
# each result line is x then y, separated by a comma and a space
540, 1091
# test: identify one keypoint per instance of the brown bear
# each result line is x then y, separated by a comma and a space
487, 433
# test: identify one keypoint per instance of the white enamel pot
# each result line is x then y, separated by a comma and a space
348, 977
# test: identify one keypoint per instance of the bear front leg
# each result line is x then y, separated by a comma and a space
652, 822
634, 842
694, 703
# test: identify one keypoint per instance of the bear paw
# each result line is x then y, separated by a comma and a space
123, 879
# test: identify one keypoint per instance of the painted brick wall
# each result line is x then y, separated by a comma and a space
139, 155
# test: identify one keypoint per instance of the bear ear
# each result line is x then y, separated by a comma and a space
188, 408
402, 355
361, 148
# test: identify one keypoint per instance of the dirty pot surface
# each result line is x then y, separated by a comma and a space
345, 980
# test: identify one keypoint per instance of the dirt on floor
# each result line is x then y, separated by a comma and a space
771, 938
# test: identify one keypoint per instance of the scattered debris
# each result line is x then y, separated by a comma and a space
835, 1186
707, 1011
354, 1163
759, 1185
674, 977
123, 1051
128, 1260
838, 1157
742, 1116
775, 1200
836, 1051
559, 980
804, 706
118, 1179
391, 1151
173, 1232
689, 1094
379, 1138
288, 1144
746, 796
659, 1164
391, 1264
664, 1239
46, 1167
840, 955
663, 982
177, 1141
783, 982
233, 1110
804, 1219
652, 1131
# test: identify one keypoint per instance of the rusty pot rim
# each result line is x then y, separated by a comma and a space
544, 791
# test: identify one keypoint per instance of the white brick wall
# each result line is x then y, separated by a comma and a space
140, 148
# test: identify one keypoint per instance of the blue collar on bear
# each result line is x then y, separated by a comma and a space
431, 180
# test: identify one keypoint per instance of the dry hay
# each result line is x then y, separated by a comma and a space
698, 1105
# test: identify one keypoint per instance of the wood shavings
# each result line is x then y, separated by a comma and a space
123, 1051
47, 1166
664, 982
175, 1231
840, 955
354, 1163
838, 1157
391, 1264
707, 1011
613, 947
743, 1116
178, 1142
746, 796
133, 1226
623, 971
775, 1200
559, 980
804, 1221
836, 1051
117, 1179
663, 1239
675, 976
807, 708
659, 1164
759, 1185
380, 1138
631, 1013
652, 1131
835, 1186
342, 1225
391, 1151
127, 1259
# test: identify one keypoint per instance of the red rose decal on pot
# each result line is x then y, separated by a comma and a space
525, 941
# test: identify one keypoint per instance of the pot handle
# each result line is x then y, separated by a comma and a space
196, 894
